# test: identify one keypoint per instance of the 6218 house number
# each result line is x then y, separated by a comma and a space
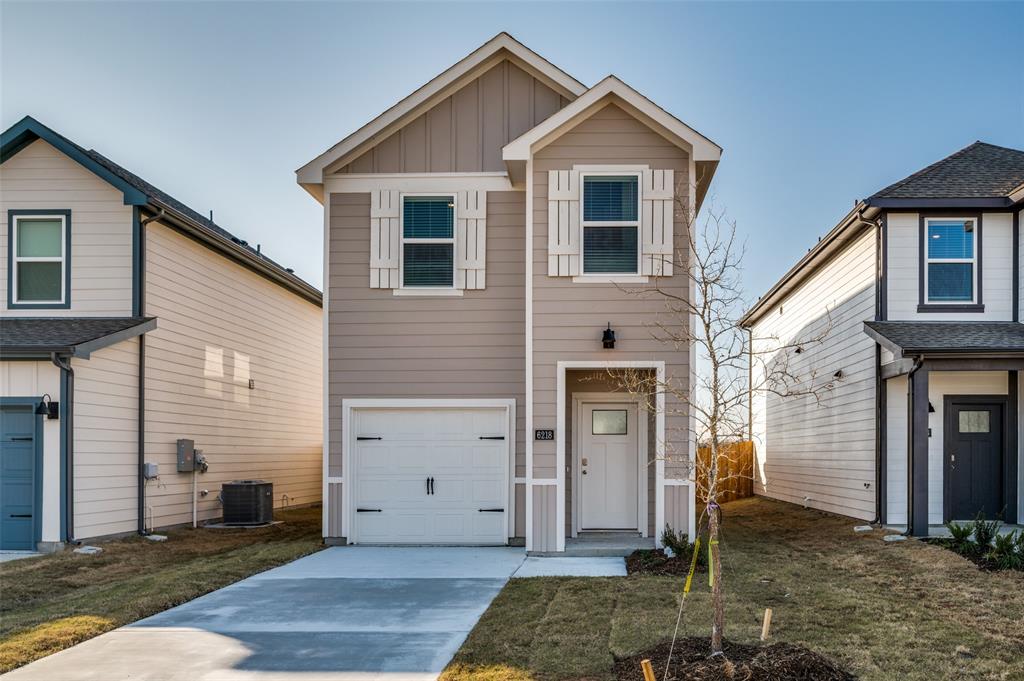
543, 435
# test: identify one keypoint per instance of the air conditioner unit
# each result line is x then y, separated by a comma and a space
248, 502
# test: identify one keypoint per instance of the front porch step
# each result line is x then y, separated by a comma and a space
601, 545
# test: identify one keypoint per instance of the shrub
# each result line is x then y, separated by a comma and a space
984, 532
678, 543
960, 538
1006, 551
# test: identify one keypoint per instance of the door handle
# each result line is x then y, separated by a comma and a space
368, 510
428, 484
431, 486
491, 510
20, 515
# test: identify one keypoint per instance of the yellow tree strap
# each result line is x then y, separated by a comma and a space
693, 566
711, 563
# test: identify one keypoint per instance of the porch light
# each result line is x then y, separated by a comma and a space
931, 409
48, 408
608, 338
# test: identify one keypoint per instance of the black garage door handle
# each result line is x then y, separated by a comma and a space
367, 437
491, 510
20, 515
492, 437
367, 510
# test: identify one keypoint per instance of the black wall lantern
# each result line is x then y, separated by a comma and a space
48, 408
608, 338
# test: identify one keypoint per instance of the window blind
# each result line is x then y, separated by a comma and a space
609, 198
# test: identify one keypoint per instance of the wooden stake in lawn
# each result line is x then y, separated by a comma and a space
767, 624
704, 312
648, 670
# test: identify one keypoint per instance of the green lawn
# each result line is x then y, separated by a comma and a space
883, 610
53, 602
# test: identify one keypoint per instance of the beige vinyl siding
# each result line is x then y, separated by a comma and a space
940, 384
569, 317
466, 131
382, 345
219, 325
544, 530
677, 508
996, 268
106, 439
35, 379
41, 177
821, 452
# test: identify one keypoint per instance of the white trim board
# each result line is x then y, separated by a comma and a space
578, 402
445, 183
659, 434
348, 405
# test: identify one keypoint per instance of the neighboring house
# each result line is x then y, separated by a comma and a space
917, 291
140, 322
478, 238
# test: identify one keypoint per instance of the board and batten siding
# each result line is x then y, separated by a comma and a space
39, 177
220, 324
465, 131
940, 384
820, 452
35, 379
569, 317
106, 421
382, 345
904, 269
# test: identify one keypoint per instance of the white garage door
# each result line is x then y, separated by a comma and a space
431, 476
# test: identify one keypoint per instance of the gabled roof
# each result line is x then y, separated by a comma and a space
501, 46
75, 336
922, 338
982, 175
611, 87
138, 192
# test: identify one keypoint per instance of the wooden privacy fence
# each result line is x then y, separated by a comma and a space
735, 471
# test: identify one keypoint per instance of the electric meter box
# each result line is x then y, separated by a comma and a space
150, 471
186, 456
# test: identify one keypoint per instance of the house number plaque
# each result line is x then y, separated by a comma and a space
543, 435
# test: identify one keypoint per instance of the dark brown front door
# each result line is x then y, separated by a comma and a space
974, 458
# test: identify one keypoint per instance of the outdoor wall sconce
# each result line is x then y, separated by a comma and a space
608, 338
931, 409
48, 408
798, 350
838, 374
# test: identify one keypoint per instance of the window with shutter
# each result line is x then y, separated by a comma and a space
428, 241
611, 213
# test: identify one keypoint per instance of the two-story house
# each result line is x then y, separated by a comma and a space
484, 242
129, 321
908, 311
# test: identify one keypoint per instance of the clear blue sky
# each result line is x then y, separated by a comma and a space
816, 104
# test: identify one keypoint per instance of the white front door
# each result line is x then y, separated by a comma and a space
430, 476
608, 466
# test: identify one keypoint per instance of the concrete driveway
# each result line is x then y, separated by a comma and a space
340, 614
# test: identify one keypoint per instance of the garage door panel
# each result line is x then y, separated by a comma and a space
445, 445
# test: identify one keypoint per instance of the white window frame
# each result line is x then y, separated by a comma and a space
16, 259
610, 276
928, 260
425, 290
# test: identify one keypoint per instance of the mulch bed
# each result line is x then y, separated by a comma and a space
690, 662
655, 562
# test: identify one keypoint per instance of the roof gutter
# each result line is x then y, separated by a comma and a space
232, 250
862, 214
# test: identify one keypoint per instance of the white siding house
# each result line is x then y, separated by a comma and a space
115, 301
921, 282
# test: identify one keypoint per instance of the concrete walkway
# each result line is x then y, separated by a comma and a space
343, 614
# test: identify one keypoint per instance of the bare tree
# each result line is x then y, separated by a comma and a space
706, 313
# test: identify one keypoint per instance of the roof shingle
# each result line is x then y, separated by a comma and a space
61, 334
979, 171
917, 338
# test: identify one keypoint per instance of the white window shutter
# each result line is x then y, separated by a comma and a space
384, 238
563, 223
657, 203
470, 239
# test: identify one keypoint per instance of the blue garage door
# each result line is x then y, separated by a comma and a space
18, 477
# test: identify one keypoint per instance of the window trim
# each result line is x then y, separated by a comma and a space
624, 277
404, 290
976, 304
13, 215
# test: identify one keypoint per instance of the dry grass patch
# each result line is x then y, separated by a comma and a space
882, 611
53, 602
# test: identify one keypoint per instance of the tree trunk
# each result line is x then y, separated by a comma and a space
717, 600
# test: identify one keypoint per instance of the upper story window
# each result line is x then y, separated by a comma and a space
428, 241
951, 265
611, 220
39, 259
